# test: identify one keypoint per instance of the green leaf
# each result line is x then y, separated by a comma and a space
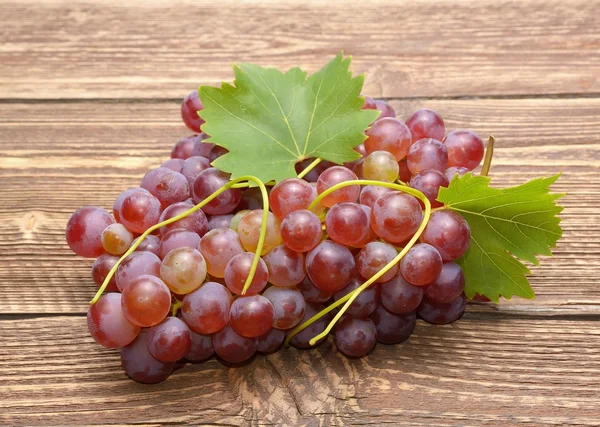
269, 120
505, 223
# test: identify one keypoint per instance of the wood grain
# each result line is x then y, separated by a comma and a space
55, 160
82, 49
488, 371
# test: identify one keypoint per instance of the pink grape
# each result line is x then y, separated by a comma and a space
252, 199
347, 224
396, 216
429, 182
232, 347
103, 264
170, 340
311, 293
369, 104
451, 171
449, 284
237, 271
427, 154
373, 257
178, 238
355, 337
166, 185
290, 195
421, 265
84, 231
426, 123
192, 167
301, 230
219, 221
440, 313
399, 296
301, 340
251, 316
173, 164
150, 244
209, 181
330, 266
202, 148
386, 109
286, 267
107, 323
116, 239
249, 231
217, 152
201, 347
121, 197
235, 220
335, 175
183, 148
139, 211
195, 222
288, 306
465, 149
403, 171
370, 193
140, 365
146, 301
206, 310
365, 303
183, 270
270, 342
389, 134
218, 247
393, 328
449, 233
135, 265
189, 111
371, 236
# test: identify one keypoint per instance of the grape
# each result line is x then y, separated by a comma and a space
218, 247
314, 173
386, 109
301, 230
369, 104
355, 337
440, 313
330, 266
286, 267
103, 264
238, 270
421, 265
311, 293
170, 340
233, 348
235, 219
201, 347
465, 149
206, 310
448, 286
249, 231
251, 316
381, 166
288, 305
189, 111
301, 340
166, 185
449, 233
252, 199
146, 301
139, 211
139, 364
116, 239
209, 181
217, 152
365, 303
371, 236
360, 149
347, 224
389, 134
451, 171
358, 168
404, 173
195, 222
178, 238
393, 328
429, 182
427, 154
426, 123
183, 148
150, 244
373, 257
399, 296
135, 265
335, 175
202, 148
370, 193
122, 196
219, 221
173, 164
192, 167
290, 195
480, 298
396, 216
270, 342
107, 323
84, 231
183, 270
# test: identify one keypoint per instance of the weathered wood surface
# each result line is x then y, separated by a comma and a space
88, 96
151, 49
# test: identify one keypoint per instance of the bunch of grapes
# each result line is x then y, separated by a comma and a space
179, 293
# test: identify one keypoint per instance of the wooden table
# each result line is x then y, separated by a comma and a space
89, 101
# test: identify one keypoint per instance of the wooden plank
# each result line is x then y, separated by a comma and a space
81, 49
56, 159
479, 371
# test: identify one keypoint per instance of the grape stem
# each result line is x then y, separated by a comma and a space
489, 153
309, 168
175, 307
349, 298
230, 184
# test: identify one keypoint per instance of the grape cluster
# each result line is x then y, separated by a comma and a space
179, 295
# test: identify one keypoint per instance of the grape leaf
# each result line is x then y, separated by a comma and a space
269, 120
506, 224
